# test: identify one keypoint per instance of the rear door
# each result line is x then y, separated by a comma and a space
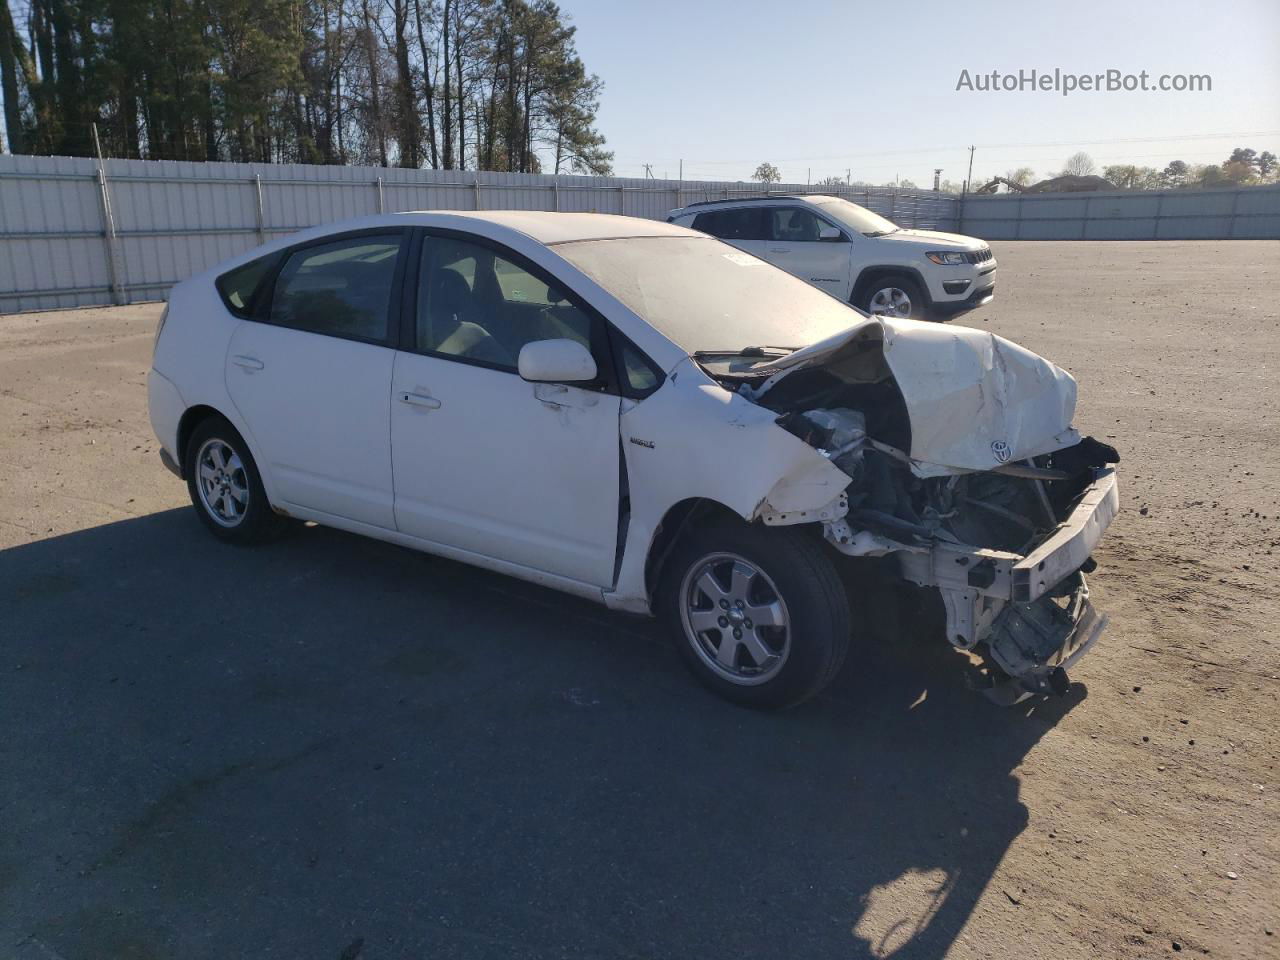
310, 374
747, 228
484, 461
796, 246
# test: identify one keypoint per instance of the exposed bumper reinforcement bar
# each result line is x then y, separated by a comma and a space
1070, 545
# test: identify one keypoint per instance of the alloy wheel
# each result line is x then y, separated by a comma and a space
890, 302
222, 482
735, 618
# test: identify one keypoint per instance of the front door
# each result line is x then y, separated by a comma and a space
794, 245
483, 460
311, 377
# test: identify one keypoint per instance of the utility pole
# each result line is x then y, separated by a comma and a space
964, 191
937, 175
114, 269
848, 176
648, 171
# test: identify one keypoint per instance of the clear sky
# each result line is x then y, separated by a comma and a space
826, 86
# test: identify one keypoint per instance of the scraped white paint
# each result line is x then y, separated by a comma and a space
695, 440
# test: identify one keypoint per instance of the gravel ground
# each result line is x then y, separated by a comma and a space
335, 748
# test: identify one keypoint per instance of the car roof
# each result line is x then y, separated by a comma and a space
548, 227
773, 198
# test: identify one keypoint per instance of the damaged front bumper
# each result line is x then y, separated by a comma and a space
1029, 617
1035, 644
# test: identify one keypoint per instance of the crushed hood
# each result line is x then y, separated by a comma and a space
975, 400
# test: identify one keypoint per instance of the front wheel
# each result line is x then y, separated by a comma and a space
759, 614
895, 295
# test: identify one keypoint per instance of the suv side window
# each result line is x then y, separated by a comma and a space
744, 223
340, 289
475, 304
794, 225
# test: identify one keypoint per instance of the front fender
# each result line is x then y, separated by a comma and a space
695, 439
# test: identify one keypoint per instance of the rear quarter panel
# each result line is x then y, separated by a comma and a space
191, 354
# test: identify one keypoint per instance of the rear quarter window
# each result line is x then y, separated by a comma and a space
241, 287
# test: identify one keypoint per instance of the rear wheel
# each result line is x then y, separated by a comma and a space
894, 295
225, 487
759, 614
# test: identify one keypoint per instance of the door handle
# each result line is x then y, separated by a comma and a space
420, 400
249, 363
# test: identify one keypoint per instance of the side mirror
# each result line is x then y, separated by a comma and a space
556, 361
829, 233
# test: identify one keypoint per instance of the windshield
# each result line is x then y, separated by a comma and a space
707, 296
858, 218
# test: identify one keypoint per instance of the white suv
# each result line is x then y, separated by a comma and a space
854, 254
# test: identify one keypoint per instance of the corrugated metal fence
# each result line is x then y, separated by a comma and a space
76, 234
73, 234
1235, 214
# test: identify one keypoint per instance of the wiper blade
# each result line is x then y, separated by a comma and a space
881, 233
746, 352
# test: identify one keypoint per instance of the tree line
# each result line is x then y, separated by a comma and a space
448, 84
1245, 166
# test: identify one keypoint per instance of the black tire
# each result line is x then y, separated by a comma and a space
798, 568
256, 521
896, 281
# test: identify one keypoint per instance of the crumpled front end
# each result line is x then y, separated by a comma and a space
965, 471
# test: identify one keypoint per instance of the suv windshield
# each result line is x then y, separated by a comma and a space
708, 297
858, 218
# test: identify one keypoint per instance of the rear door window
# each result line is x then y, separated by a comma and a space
339, 289
744, 223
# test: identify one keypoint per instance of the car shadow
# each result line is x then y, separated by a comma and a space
330, 746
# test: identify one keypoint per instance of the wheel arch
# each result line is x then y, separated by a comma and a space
870, 274
197, 414
191, 418
682, 517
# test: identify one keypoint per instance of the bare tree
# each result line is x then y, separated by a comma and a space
1022, 176
408, 120
1079, 164
372, 56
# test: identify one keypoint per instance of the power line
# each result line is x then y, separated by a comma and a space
1000, 146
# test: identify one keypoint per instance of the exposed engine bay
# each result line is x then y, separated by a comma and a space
1005, 536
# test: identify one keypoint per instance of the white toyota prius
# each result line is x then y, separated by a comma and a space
643, 415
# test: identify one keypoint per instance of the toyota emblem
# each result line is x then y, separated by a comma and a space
1000, 450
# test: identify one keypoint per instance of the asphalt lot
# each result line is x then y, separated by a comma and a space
335, 748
